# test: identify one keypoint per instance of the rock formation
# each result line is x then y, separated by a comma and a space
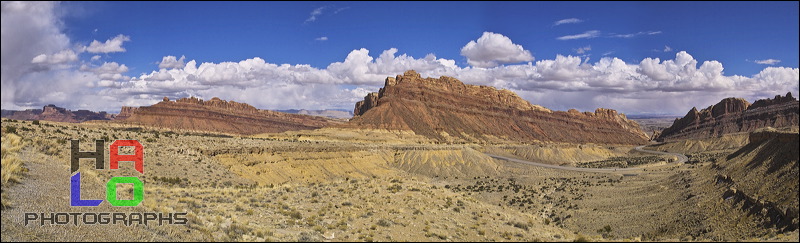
448, 110
125, 112
217, 115
370, 101
733, 115
58, 114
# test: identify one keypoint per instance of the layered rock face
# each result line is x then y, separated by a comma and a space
733, 115
57, 114
125, 112
218, 115
447, 110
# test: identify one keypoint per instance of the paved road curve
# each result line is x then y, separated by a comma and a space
634, 170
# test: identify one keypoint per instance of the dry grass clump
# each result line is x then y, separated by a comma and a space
12, 167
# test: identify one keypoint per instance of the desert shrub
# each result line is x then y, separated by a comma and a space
292, 214
49, 146
581, 238
605, 231
236, 230
394, 188
11, 129
35, 122
520, 225
168, 180
384, 223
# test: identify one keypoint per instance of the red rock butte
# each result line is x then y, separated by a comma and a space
217, 115
445, 108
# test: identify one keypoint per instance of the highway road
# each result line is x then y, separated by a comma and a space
632, 170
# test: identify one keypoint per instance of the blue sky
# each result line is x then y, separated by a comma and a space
752, 47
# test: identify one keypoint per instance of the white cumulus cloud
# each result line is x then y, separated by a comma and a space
170, 62
494, 49
107, 72
61, 57
111, 45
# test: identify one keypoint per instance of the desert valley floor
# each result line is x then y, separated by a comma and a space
336, 184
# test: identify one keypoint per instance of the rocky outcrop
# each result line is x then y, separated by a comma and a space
217, 115
370, 101
125, 112
448, 110
777, 100
733, 115
655, 135
58, 114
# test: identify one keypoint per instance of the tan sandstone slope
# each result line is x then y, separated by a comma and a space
762, 177
448, 110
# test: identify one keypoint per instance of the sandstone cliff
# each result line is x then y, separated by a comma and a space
448, 110
57, 114
217, 115
126, 112
733, 115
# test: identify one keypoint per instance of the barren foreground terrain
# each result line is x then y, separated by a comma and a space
377, 185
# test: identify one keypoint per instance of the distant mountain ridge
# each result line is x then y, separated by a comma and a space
58, 114
330, 113
446, 109
217, 115
733, 115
